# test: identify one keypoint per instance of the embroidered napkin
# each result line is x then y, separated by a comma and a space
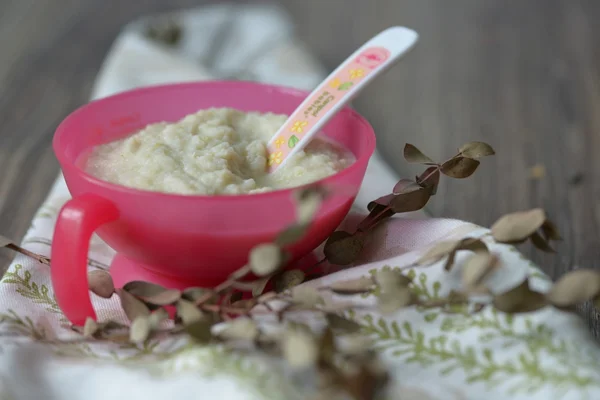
431, 355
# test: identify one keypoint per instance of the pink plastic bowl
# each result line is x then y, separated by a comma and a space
178, 240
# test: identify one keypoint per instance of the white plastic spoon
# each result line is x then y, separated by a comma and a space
341, 86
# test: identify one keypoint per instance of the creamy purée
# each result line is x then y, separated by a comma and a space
211, 152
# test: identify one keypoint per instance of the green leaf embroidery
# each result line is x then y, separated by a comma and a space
420, 287
345, 86
21, 325
293, 141
267, 383
478, 362
31, 290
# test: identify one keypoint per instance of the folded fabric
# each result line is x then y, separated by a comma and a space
430, 354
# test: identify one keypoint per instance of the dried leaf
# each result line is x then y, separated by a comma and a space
140, 329
300, 348
265, 259
132, 306
307, 296
391, 280
378, 211
391, 302
356, 345
326, 345
288, 279
381, 203
200, 330
4, 241
259, 286
459, 167
292, 234
472, 244
405, 186
352, 286
430, 179
113, 331
477, 268
367, 381
449, 249
90, 327
476, 150
450, 261
520, 299
157, 317
239, 329
240, 273
246, 286
152, 293
415, 156
550, 231
109, 326
101, 283
410, 201
541, 243
518, 226
194, 293
575, 287
308, 205
343, 248
188, 312
341, 324
437, 252
309, 191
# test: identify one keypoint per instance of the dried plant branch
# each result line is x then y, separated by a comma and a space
198, 310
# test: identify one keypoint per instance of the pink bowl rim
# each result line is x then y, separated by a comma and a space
65, 162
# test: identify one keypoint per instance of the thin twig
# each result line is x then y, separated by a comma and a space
42, 259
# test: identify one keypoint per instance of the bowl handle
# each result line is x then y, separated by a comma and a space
77, 221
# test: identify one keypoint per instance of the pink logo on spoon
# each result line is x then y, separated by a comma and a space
373, 57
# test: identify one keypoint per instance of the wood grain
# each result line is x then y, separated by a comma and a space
521, 75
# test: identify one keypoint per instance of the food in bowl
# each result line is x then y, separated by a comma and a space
215, 151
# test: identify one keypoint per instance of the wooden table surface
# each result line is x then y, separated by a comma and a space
521, 75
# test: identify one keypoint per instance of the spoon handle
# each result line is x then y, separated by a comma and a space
356, 72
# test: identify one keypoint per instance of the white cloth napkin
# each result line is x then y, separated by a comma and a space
431, 355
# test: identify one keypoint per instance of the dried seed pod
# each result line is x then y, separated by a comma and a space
265, 259
517, 227
151, 293
520, 299
101, 283
353, 286
575, 287
300, 348
306, 296
133, 307
239, 329
140, 329
343, 248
